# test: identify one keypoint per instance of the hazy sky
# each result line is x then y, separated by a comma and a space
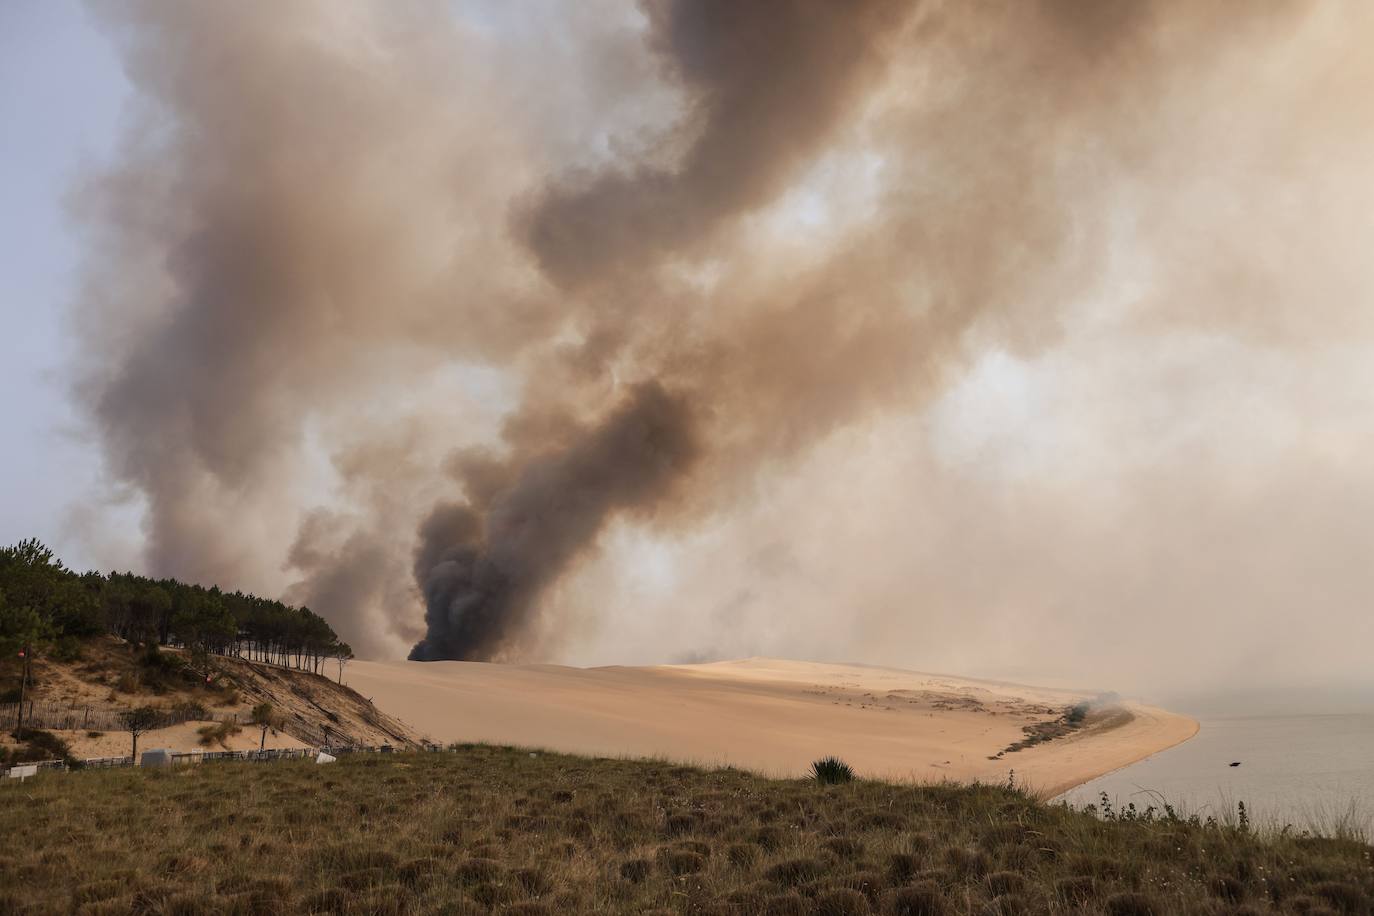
61, 89
1076, 381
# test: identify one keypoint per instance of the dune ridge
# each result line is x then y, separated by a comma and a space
772, 716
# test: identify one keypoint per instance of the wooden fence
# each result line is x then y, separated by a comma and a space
72, 716
189, 757
76, 717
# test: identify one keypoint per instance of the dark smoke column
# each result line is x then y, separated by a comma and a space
765, 82
482, 568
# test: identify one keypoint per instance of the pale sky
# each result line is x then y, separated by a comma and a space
61, 91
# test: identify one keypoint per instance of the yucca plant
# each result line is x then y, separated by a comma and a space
829, 771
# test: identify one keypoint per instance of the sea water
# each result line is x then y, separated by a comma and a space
1312, 771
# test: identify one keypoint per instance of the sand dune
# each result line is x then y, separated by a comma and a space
771, 716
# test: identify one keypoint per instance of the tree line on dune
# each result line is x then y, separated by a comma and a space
43, 604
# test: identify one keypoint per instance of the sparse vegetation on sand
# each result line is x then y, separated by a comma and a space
1073, 718
33, 744
484, 829
217, 734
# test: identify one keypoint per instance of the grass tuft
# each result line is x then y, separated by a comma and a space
636, 871
830, 771
795, 871
842, 902
1132, 903
925, 899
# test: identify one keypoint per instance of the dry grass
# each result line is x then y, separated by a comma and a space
488, 829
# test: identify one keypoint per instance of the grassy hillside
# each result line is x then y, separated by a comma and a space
497, 830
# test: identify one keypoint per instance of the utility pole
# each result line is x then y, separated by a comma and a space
24, 653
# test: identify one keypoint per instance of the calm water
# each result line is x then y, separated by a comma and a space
1304, 770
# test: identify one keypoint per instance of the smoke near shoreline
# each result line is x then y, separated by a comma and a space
682, 338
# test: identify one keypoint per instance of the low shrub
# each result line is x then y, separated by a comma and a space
966, 863
636, 870
679, 824
495, 893
868, 883
788, 904
682, 861
329, 900
1007, 905
478, 869
218, 733
1005, 882
35, 744
1131, 903
924, 899
902, 867
534, 881
844, 848
696, 846
161, 672
769, 838
742, 855
1343, 896
1227, 888
1077, 889
528, 908
829, 771
841, 902
795, 871
419, 872
66, 649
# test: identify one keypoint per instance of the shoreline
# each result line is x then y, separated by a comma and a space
769, 716
1196, 728
1155, 730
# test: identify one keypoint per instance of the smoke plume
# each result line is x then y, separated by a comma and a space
481, 566
764, 83
947, 335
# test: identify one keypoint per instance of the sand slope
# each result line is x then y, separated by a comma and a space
768, 715
307, 703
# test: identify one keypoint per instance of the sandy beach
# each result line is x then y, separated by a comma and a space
771, 716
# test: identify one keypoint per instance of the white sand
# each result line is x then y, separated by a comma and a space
768, 715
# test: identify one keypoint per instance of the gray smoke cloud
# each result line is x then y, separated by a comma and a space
764, 84
731, 296
481, 566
